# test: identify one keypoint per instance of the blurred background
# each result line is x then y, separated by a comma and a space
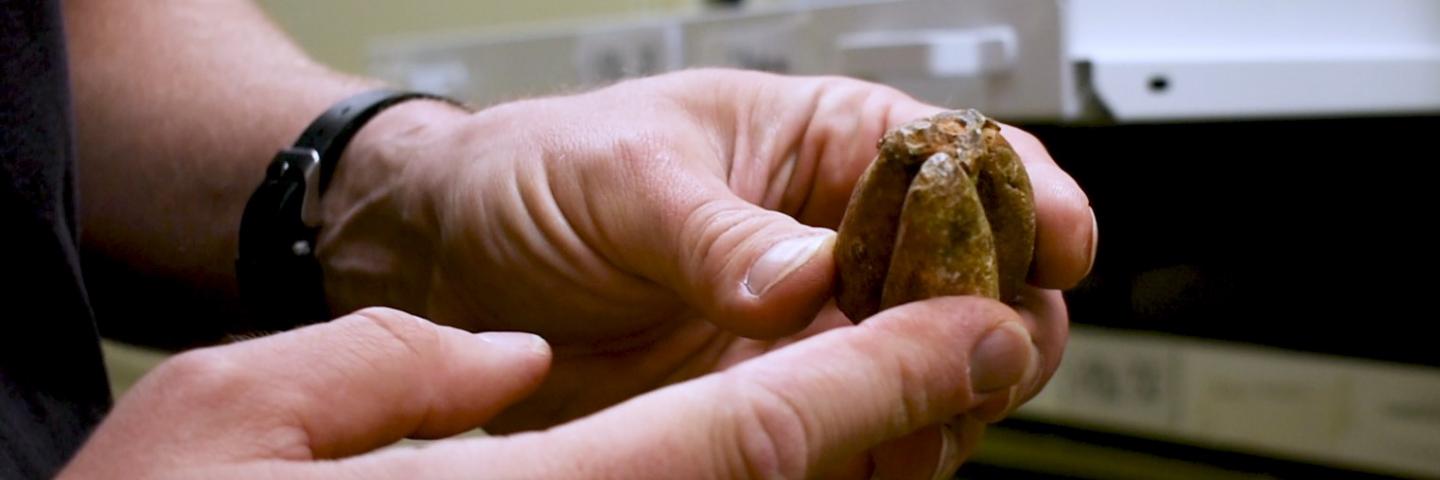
1262, 173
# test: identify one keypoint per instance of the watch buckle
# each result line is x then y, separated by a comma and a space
305, 163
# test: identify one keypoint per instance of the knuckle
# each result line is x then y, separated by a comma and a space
386, 330
1026, 144
773, 433
639, 146
204, 376
861, 89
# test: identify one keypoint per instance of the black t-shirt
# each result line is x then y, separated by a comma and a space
52, 380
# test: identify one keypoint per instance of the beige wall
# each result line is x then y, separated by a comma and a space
338, 32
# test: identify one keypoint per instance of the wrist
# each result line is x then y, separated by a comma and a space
390, 148
377, 229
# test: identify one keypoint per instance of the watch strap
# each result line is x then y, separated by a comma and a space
280, 279
330, 133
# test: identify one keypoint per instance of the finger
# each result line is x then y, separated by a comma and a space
788, 414
841, 143
752, 271
748, 269
1047, 319
916, 456
840, 139
324, 391
379, 375
934, 452
1066, 231
1044, 315
964, 434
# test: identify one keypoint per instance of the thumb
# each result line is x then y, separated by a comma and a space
324, 391
756, 272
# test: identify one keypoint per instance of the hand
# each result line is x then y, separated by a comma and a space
277, 407
653, 231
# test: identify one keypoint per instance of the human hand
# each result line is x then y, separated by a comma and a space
317, 402
634, 226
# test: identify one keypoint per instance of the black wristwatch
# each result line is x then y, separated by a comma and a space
281, 283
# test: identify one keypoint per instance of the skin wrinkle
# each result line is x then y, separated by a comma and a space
637, 286
725, 140
817, 140
909, 411
417, 216
518, 229
803, 140
703, 359
507, 248
286, 442
393, 332
835, 184
824, 134
740, 154
727, 451
556, 227
803, 417
747, 230
799, 176
702, 220
537, 225
585, 258
432, 399
777, 433
786, 165
642, 284
604, 237
693, 364
793, 200
906, 381
370, 200
458, 262
649, 377
781, 175
426, 213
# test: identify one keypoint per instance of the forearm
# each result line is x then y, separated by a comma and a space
179, 106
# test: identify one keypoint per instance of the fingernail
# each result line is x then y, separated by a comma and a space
516, 341
1017, 396
949, 460
1027, 381
1001, 358
782, 259
1094, 240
